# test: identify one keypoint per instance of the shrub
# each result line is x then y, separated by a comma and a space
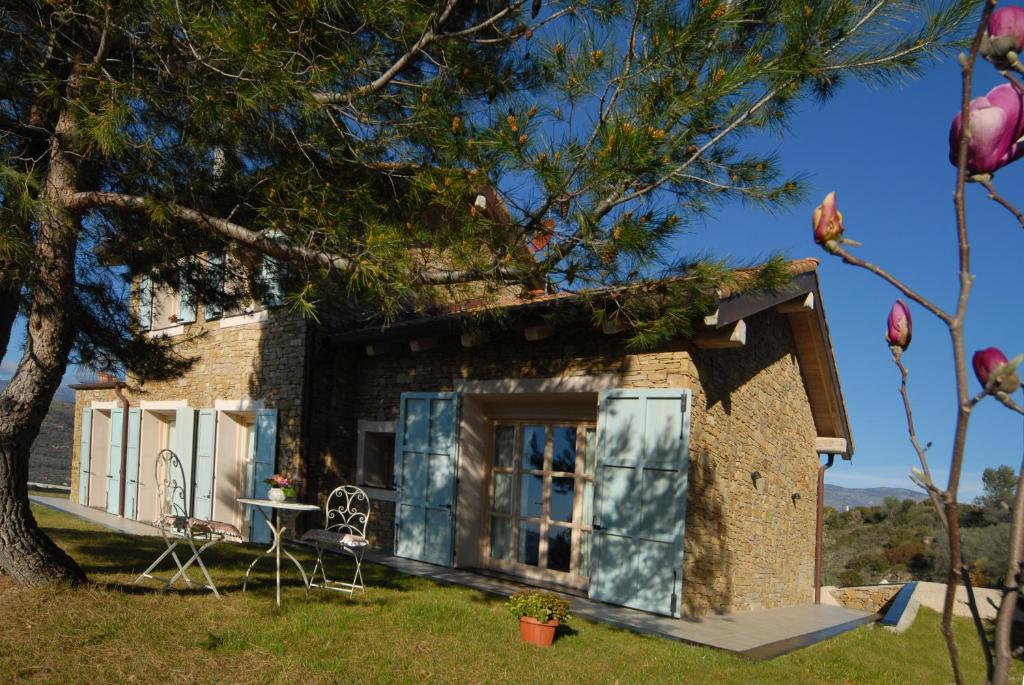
540, 606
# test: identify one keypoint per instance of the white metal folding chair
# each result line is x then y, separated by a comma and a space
345, 517
177, 525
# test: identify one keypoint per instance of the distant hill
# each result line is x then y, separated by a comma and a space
63, 394
839, 497
51, 452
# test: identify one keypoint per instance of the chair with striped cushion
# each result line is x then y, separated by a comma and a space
345, 518
177, 525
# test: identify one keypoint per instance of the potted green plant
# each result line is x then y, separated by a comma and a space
539, 614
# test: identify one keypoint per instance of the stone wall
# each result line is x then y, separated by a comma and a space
380, 530
752, 415
744, 548
259, 361
871, 598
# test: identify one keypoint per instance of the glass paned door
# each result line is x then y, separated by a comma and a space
542, 490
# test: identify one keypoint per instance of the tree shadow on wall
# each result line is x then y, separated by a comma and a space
707, 561
723, 372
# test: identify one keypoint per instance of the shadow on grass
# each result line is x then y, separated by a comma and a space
108, 557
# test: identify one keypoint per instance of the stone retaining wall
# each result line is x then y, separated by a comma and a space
865, 598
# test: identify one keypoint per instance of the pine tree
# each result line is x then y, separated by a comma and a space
351, 139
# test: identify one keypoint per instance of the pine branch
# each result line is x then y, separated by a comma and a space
276, 248
428, 36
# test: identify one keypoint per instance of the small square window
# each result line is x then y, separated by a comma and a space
377, 459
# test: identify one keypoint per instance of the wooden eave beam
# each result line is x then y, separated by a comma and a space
377, 349
538, 332
830, 445
726, 337
798, 305
473, 338
422, 344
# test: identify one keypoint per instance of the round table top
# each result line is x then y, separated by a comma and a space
295, 506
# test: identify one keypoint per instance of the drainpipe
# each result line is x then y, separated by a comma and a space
820, 528
124, 446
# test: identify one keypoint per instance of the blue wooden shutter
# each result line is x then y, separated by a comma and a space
264, 462
184, 446
206, 438
131, 478
215, 267
272, 273
640, 505
272, 276
114, 461
186, 297
426, 463
84, 457
145, 303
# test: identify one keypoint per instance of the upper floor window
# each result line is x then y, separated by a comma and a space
162, 306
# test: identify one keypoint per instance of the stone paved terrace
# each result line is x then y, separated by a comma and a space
755, 634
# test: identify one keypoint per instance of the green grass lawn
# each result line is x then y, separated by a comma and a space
403, 630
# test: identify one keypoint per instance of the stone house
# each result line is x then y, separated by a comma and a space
681, 480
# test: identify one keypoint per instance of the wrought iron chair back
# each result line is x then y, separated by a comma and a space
178, 527
345, 518
347, 511
172, 495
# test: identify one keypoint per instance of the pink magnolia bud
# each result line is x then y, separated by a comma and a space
996, 126
989, 362
1005, 34
1008, 21
900, 327
827, 221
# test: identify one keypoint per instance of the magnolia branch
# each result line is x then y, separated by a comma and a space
933, 492
993, 195
275, 248
892, 280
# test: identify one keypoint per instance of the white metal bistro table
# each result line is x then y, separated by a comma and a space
283, 513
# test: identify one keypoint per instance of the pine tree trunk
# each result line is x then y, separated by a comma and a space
26, 553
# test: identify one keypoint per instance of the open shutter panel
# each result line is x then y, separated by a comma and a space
114, 461
215, 266
206, 437
145, 303
273, 273
186, 298
264, 462
640, 506
131, 478
184, 447
84, 457
426, 456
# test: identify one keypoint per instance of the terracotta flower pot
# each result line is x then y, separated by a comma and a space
535, 632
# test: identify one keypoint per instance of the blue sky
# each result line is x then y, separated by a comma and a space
885, 152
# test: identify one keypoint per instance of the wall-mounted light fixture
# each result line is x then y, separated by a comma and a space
758, 481
795, 496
